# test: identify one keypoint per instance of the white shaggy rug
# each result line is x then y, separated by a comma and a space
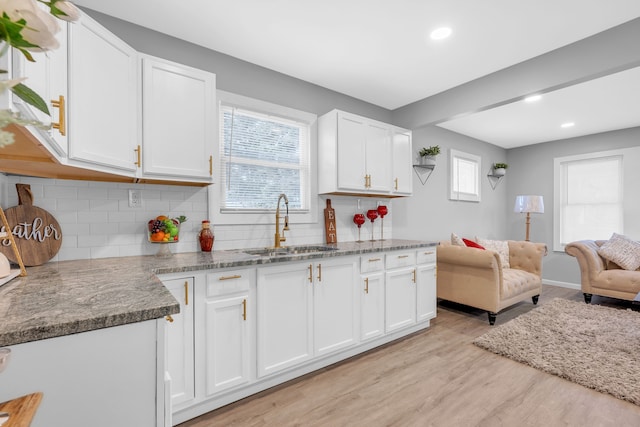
595, 346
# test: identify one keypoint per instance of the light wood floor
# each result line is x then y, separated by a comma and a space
433, 378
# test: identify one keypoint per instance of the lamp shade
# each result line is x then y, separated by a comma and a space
533, 204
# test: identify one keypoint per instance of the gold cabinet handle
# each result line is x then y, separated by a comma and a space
403, 256
319, 272
138, 156
414, 275
366, 285
396, 181
169, 318
235, 276
366, 181
210, 165
310, 273
61, 125
374, 259
186, 293
429, 253
244, 309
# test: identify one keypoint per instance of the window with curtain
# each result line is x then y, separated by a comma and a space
589, 197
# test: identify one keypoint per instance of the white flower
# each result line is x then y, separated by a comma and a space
41, 26
71, 12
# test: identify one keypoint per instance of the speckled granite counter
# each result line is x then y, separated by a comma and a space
63, 298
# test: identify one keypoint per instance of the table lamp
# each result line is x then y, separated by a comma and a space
528, 205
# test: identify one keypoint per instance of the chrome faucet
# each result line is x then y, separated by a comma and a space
278, 237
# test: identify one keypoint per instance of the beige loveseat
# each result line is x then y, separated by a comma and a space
601, 277
475, 277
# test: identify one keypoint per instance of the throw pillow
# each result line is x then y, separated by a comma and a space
456, 240
621, 250
499, 246
472, 244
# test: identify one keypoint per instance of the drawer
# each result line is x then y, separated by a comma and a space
229, 282
400, 259
426, 255
371, 262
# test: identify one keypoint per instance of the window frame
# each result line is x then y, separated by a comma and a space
263, 216
455, 157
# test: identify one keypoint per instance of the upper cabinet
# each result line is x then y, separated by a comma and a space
103, 102
178, 119
47, 76
362, 156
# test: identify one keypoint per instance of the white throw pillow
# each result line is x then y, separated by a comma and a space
456, 240
500, 246
621, 250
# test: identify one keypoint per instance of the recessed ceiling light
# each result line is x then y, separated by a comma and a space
533, 98
567, 125
440, 33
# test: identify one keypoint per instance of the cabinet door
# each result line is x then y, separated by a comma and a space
352, 143
285, 315
47, 76
402, 180
334, 305
371, 306
103, 98
180, 344
378, 155
179, 119
400, 298
426, 292
227, 342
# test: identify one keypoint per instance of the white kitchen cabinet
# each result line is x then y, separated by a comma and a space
426, 272
334, 304
285, 316
371, 290
180, 342
355, 156
400, 290
103, 104
179, 120
402, 155
305, 310
228, 310
47, 76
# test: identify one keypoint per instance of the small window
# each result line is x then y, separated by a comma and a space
465, 176
264, 150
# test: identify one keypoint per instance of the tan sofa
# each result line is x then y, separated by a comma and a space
475, 277
601, 277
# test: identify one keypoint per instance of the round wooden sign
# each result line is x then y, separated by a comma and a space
36, 232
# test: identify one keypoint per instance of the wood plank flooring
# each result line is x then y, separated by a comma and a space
433, 378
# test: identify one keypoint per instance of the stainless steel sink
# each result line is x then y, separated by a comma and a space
290, 250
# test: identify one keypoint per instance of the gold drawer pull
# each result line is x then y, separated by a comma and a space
319, 272
61, 125
374, 259
310, 273
235, 276
366, 285
429, 253
169, 318
403, 256
186, 293
244, 309
414, 275
210, 165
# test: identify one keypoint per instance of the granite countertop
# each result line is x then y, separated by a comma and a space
68, 297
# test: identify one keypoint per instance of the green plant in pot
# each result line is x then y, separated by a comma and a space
428, 155
499, 169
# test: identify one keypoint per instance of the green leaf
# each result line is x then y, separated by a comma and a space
30, 97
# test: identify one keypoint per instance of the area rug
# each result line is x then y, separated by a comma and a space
595, 346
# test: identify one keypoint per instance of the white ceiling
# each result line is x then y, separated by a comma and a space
379, 51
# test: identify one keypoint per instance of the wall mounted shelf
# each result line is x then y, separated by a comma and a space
424, 172
494, 180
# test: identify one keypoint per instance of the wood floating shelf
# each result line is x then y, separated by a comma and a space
423, 172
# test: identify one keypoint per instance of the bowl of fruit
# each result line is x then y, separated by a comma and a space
163, 229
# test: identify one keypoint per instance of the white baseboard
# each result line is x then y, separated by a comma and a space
569, 285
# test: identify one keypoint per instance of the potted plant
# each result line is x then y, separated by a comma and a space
428, 155
499, 169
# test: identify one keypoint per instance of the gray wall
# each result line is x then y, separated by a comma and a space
531, 172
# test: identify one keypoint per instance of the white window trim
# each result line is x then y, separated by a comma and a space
558, 179
231, 217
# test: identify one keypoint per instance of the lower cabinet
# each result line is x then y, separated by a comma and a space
244, 330
227, 330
